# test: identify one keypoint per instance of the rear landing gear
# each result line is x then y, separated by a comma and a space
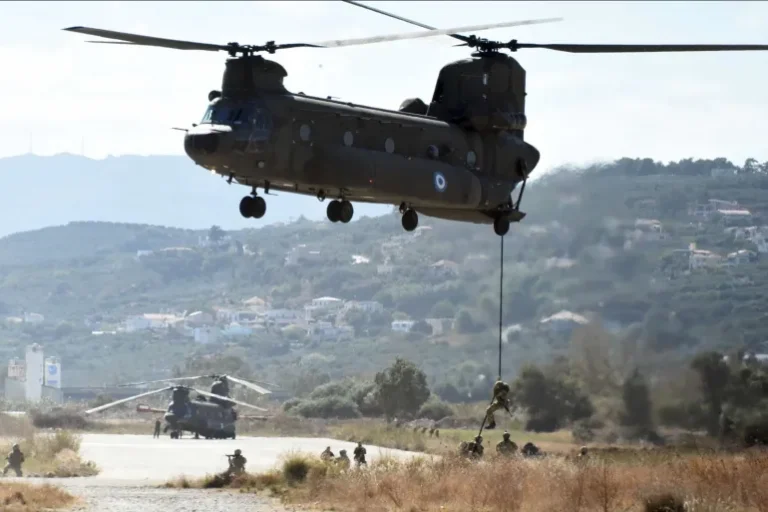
253, 207
340, 211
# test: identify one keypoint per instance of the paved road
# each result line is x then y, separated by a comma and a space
132, 466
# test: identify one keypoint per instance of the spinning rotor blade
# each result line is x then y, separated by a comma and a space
639, 48
238, 402
385, 13
131, 384
430, 33
147, 40
134, 397
249, 385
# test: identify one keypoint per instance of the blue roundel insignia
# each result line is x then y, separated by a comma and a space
440, 182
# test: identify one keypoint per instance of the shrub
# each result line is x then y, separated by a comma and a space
329, 407
664, 503
59, 418
435, 410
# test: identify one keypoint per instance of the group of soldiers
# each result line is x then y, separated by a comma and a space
506, 448
343, 459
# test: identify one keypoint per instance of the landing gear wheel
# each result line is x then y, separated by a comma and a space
254, 207
334, 211
246, 206
501, 226
410, 220
346, 212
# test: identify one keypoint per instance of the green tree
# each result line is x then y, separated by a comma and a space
714, 375
401, 389
215, 234
443, 309
637, 402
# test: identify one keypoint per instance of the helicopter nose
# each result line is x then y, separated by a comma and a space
201, 144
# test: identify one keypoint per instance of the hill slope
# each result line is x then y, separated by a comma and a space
584, 248
37, 192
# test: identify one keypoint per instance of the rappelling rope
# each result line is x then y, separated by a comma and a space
501, 311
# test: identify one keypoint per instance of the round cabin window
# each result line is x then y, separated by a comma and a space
305, 132
389, 145
348, 138
471, 158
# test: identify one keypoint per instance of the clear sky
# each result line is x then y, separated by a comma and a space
59, 91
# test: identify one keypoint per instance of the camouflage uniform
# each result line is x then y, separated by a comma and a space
236, 463
15, 458
500, 401
360, 454
343, 460
327, 454
475, 449
506, 447
530, 450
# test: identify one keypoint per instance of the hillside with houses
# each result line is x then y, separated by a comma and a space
664, 258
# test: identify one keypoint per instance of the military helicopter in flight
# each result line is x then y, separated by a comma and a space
460, 157
210, 414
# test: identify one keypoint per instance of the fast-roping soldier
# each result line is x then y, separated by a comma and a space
500, 401
15, 459
506, 447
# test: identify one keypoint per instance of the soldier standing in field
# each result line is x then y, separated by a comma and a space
15, 460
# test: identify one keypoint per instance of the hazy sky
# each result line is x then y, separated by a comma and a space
59, 91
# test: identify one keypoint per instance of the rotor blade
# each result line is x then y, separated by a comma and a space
430, 33
130, 384
643, 48
147, 40
249, 385
134, 397
238, 402
385, 13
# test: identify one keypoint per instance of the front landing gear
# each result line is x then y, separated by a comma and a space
340, 211
253, 206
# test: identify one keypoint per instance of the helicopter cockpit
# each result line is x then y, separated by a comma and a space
237, 115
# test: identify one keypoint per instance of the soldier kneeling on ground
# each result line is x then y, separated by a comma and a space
15, 459
236, 464
530, 450
473, 449
506, 447
342, 460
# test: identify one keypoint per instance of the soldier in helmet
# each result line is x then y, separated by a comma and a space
500, 401
236, 463
359, 454
15, 460
327, 454
475, 449
506, 447
342, 460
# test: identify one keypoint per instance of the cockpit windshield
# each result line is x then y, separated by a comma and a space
237, 115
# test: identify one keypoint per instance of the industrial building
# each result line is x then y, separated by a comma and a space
34, 379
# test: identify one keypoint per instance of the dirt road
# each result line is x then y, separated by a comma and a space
133, 466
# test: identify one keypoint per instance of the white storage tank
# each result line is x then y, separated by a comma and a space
33, 385
53, 372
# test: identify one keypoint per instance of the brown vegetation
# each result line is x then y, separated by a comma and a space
53, 455
636, 481
15, 497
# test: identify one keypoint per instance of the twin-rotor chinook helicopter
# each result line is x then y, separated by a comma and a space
210, 414
459, 157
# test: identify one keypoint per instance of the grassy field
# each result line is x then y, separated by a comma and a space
646, 481
16, 497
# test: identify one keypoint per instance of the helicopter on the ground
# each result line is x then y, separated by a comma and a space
460, 157
210, 414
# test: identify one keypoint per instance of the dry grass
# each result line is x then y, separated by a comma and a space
13, 426
636, 481
53, 455
16, 497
